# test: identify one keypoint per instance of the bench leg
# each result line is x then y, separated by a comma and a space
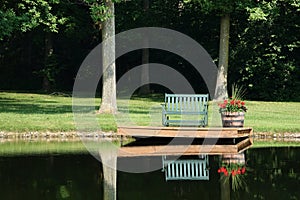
167, 123
165, 118
205, 120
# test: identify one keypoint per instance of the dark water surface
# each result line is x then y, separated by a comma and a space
271, 173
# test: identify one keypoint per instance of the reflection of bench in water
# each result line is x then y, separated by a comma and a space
186, 169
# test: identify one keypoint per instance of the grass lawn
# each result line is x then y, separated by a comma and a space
276, 117
24, 112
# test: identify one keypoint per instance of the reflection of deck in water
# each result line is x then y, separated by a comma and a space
155, 141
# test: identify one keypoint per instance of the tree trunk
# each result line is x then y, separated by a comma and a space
221, 86
109, 102
145, 89
48, 54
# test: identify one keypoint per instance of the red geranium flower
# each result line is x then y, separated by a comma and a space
234, 103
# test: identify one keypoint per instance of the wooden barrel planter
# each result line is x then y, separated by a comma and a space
233, 119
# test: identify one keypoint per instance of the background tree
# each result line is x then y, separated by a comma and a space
27, 15
145, 89
9, 20
224, 8
265, 50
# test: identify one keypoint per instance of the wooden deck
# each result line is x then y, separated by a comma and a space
242, 135
187, 132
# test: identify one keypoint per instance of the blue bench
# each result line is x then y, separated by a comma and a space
181, 106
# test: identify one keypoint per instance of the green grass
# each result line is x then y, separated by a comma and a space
276, 117
24, 112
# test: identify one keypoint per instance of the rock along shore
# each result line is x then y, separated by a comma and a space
56, 135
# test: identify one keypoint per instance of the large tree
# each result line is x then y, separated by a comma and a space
221, 85
103, 13
109, 99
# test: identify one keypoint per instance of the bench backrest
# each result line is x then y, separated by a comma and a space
186, 102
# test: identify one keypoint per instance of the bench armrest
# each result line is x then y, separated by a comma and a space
163, 106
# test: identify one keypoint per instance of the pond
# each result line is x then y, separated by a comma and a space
270, 173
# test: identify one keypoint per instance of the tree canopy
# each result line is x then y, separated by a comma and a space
263, 54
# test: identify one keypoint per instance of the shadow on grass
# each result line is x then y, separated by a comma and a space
20, 108
28, 106
149, 97
40, 106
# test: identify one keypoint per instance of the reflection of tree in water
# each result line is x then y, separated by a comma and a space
276, 172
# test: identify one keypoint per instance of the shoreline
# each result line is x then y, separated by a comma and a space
286, 135
56, 135
102, 135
